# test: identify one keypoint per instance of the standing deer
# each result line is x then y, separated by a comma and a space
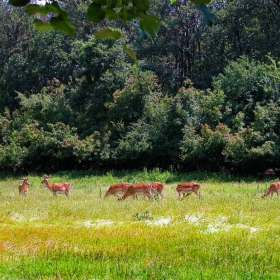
186, 188
158, 187
57, 188
23, 187
274, 187
115, 189
135, 189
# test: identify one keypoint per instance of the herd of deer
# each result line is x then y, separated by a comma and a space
124, 190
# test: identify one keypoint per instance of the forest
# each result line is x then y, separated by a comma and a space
201, 98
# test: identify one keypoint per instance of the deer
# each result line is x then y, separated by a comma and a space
23, 187
158, 187
57, 188
186, 188
274, 187
145, 189
115, 189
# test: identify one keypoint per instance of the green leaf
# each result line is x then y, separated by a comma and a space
142, 5
41, 25
131, 53
18, 3
55, 8
95, 13
33, 9
143, 34
149, 24
207, 15
113, 4
62, 23
127, 14
111, 14
108, 33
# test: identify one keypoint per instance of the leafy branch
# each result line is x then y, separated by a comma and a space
135, 12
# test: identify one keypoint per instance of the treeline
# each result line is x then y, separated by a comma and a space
203, 98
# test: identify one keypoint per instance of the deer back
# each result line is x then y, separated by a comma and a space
116, 188
135, 189
188, 185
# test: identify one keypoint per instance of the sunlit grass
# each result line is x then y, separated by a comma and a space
230, 233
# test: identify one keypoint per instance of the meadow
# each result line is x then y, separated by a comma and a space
229, 233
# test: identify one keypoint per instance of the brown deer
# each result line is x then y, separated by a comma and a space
273, 188
135, 189
57, 188
158, 187
23, 187
186, 188
115, 189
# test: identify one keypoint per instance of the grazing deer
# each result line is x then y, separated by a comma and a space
187, 188
274, 187
57, 188
115, 189
158, 187
135, 189
23, 188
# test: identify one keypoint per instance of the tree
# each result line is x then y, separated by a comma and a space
173, 54
245, 83
100, 71
16, 30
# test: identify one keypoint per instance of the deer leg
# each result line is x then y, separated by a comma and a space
179, 195
197, 193
183, 196
150, 196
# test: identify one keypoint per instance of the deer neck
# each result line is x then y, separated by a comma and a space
48, 185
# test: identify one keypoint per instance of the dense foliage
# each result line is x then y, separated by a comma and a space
203, 98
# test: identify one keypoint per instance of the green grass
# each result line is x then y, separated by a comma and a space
230, 233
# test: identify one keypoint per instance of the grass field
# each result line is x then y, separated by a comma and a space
230, 233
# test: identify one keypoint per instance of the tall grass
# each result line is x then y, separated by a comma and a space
230, 233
